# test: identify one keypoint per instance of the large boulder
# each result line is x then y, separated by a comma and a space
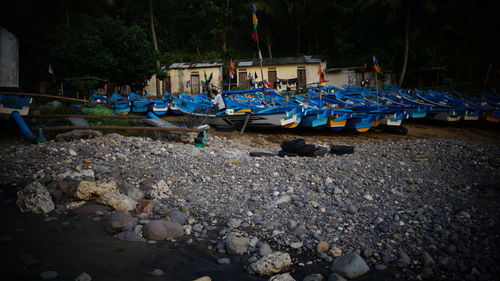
117, 221
350, 266
90, 190
117, 200
237, 245
271, 264
159, 190
34, 198
160, 229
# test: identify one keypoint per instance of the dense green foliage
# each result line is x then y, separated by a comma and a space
113, 39
106, 48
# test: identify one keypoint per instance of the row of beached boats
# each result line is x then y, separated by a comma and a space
327, 106
320, 106
136, 103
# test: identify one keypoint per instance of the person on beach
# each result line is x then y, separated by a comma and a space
218, 101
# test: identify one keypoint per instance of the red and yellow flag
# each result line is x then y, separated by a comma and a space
255, 21
321, 75
376, 67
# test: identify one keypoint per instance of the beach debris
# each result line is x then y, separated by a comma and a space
35, 198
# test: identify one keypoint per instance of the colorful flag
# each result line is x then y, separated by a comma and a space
376, 67
232, 70
255, 21
321, 75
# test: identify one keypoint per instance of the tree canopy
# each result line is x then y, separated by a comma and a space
111, 38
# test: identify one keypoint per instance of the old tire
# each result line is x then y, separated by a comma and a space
341, 149
396, 130
293, 145
283, 153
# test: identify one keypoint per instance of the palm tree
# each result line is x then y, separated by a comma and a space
155, 45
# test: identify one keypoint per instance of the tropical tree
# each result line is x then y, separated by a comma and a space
106, 48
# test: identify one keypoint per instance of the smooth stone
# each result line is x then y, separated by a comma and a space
84, 276
282, 277
237, 245
224, 261
314, 277
49, 275
350, 265
265, 250
335, 277
156, 272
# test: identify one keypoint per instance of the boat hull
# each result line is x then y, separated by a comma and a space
9, 104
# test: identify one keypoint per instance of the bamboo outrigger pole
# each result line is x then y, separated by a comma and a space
44, 96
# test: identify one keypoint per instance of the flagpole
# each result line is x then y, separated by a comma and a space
376, 87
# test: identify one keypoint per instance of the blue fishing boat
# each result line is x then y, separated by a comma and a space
236, 114
138, 102
15, 107
120, 104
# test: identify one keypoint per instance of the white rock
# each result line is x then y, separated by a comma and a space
160, 190
271, 264
74, 205
282, 277
34, 198
368, 197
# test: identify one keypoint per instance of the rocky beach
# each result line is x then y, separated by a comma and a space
398, 208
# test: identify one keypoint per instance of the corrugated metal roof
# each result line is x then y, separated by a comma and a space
281, 61
202, 64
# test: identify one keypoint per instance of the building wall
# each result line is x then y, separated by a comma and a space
9, 59
284, 71
179, 79
151, 86
340, 78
